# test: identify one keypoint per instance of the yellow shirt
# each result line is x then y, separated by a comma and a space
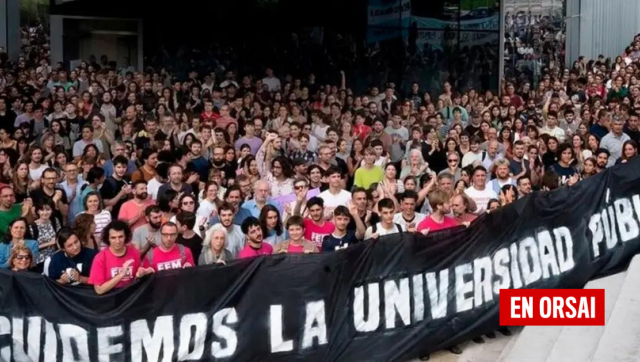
365, 177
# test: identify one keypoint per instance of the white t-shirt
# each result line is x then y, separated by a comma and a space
470, 157
418, 217
481, 198
206, 208
37, 173
332, 201
382, 231
152, 188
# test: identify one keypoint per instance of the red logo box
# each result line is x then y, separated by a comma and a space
552, 307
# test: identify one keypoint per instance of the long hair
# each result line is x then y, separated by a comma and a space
284, 162
21, 186
82, 227
207, 251
165, 199
263, 220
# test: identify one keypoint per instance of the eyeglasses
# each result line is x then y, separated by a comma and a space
73, 170
188, 203
23, 257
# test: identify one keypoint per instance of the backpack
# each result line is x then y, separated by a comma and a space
35, 232
374, 228
183, 254
32, 123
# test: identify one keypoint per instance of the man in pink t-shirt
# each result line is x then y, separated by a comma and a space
169, 255
118, 265
133, 210
315, 227
254, 247
440, 202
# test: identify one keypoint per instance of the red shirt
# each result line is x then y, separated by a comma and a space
315, 233
429, 223
249, 252
106, 266
211, 117
223, 122
361, 131
167, 260
130, 210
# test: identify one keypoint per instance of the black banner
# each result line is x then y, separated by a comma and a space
391, 300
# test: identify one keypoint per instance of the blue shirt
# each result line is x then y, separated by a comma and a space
5, 251
598, 130
253, 208
202, 167
75, 207
82, 262
274, 238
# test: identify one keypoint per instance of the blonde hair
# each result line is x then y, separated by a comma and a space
14, 254
207, 250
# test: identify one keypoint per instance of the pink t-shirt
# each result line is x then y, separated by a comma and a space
249, 252
428, 223
315, 233
106, 266
131, 210
167, 260
295, 249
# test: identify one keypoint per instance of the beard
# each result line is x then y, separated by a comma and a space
142, 196
154, 225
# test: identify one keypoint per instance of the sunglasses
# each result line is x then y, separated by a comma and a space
23, 257
452, 161
299, 187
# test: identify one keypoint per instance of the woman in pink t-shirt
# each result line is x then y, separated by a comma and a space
296, 244
118, 265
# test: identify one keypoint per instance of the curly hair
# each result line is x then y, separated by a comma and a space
116, 225
82, 227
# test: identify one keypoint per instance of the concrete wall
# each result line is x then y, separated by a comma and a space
116, 38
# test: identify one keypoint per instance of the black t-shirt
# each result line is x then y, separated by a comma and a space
634, 135
110, 188
229, 171
144, 141
564, 173
472, 130
194, 244
549, 159
39, 196
332, 243
375, 218
8, 119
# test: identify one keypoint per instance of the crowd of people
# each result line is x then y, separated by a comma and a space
109, 174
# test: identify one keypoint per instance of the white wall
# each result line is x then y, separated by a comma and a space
607, 26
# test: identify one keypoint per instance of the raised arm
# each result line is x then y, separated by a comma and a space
263, 168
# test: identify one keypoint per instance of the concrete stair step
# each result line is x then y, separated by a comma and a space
489, 351
587, 337
621, 337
